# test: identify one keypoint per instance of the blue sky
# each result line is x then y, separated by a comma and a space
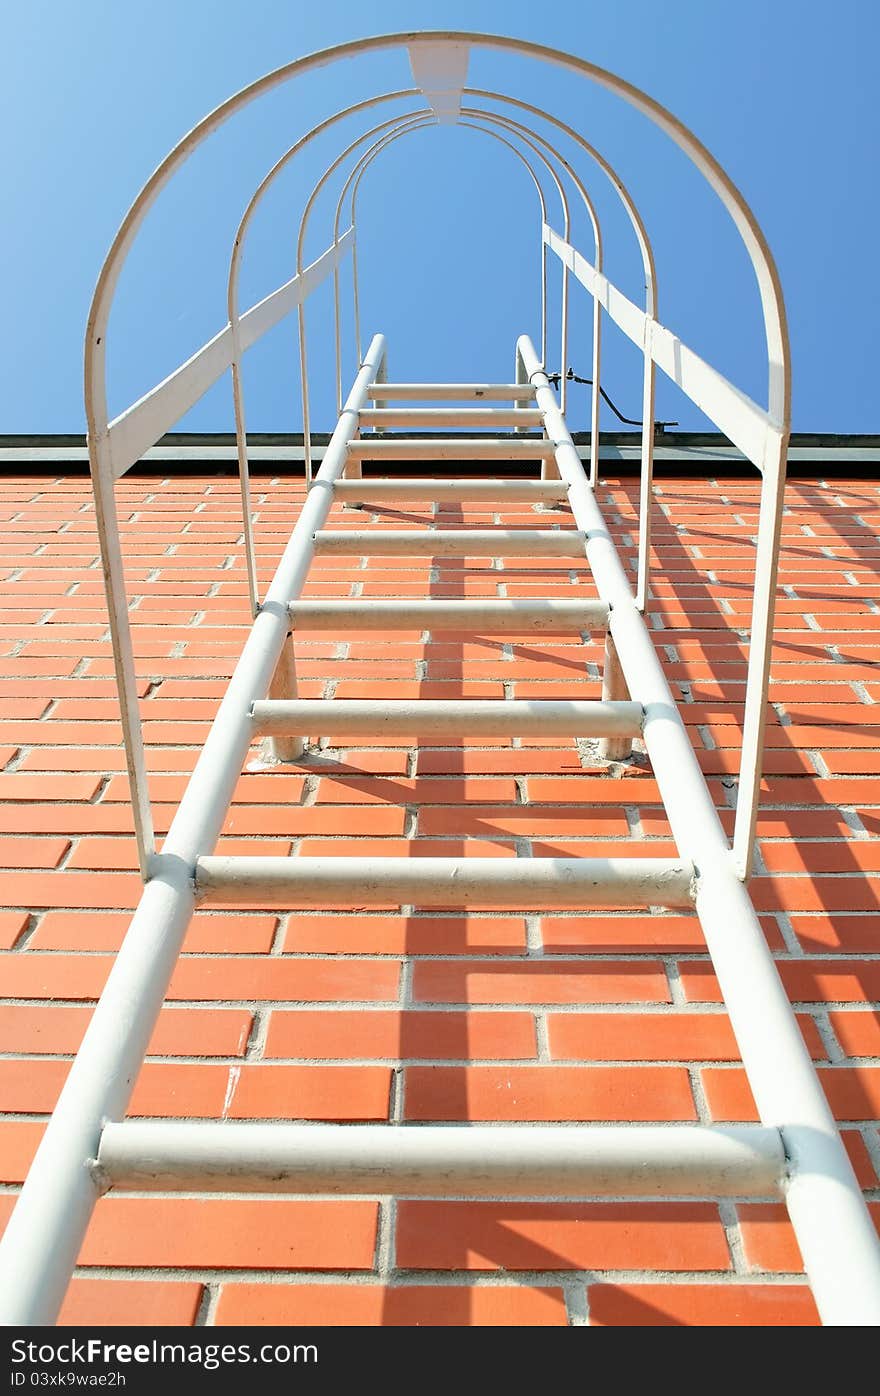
95, 94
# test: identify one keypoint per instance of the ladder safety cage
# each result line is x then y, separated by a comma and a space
796, 1151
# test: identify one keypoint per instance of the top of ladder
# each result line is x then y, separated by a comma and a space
452, 392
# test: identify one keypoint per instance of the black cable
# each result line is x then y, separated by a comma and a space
572, 377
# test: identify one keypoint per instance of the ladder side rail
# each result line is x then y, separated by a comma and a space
634, 323
46, 1229
764, 441
825, 1203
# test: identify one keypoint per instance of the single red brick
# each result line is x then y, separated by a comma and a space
601, 848
404, 935
859, 1156
77, 819
775, 762
819, 791
29, 852
598, 932
263, 1233
18, 1144
492, 762
837, 857
31, 1086
410, 1306
451, 791
848, 933
19, 709
308, 1092
88, 758
841, 734
593, 790
553, 1236
380, 1033
263, 788
642, 1036
180, 1032
845, 763
701, 1305
130, 1303
319, 980
815, 893
71, 889
792, 824
16, 785
603, 981
768, 1237
655, 1036
25, 666
536, 1093
115, 854
62, 734
368, 761
806, 981
296, 820
235, 978
858, 1033
404, 848
522, 821
208, 931
12, 924
54, 976
853, 1092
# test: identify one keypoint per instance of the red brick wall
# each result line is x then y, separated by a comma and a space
352, 1015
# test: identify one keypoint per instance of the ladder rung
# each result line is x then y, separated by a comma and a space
473, 542
507, 1160
520, 882
380, 418
451, 448
484, 617
358, 717
452, 491
451, 392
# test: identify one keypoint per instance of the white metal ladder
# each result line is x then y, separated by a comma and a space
796, 1152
